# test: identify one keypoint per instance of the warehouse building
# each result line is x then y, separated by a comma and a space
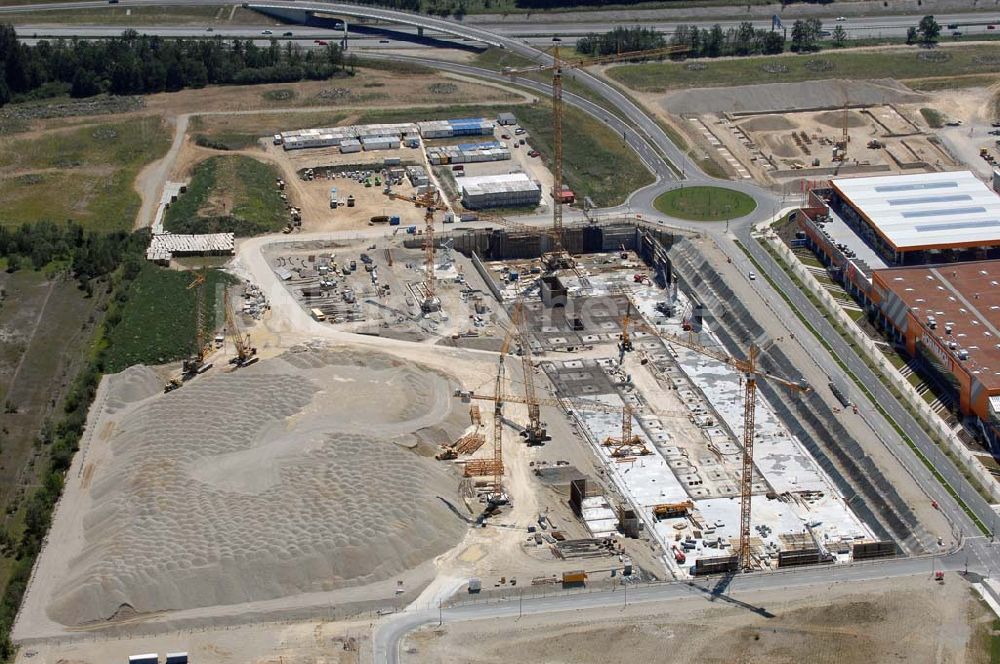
466, 153
948, 318
506, 119
857, 226
921, 218
510, 190
459, 127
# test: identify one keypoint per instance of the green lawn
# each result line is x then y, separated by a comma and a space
229, 194
705, 203
85, 174
158, 321
903, 63
934, 118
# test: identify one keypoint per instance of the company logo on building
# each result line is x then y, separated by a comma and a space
935, 348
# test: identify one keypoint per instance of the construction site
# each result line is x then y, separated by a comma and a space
785, 131
420, 399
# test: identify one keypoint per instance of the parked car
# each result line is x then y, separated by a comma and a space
534, 153
505, 137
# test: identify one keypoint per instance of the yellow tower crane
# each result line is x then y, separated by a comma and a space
245, 353
558, 256
750, 373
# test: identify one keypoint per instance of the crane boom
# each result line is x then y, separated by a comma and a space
558, 256
535, 431
748, 368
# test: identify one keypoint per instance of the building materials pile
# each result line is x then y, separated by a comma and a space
165, 246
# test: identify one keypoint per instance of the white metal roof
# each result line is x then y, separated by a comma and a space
484, 184
927, 210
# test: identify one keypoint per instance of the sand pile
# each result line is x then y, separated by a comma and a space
296, 474
134, 384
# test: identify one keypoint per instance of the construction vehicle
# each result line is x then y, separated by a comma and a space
750, 373
622, 445
195, 364
534, 433
558, 257
245, 353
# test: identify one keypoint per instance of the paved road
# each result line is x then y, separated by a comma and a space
391, 630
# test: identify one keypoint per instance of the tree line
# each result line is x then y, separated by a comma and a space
113, 260
89, 254
620, 40
143, 64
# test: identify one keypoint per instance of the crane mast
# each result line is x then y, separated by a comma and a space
557, 147
748, 369
534, 432
746, 479
558, 257
429, 201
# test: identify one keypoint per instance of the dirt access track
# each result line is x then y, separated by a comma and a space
249, 113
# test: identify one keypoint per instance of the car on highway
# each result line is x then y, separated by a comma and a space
954, 123
266, 32
320, 42
383, 41
991, 27
209, 29
751, 276
995, 124
956, 33
840, 19
287, 34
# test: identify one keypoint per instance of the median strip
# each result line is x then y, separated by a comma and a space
868, 394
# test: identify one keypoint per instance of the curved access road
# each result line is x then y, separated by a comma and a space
645, 127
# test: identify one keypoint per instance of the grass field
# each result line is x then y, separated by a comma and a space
597, 163
125, 16
229, 194
902, 64
238, 132
704, 203
45, 327
934, 118
85, 174
159, 320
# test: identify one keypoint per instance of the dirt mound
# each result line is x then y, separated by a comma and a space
278, 479
134, 384
767, 123
836, 119
787, 96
